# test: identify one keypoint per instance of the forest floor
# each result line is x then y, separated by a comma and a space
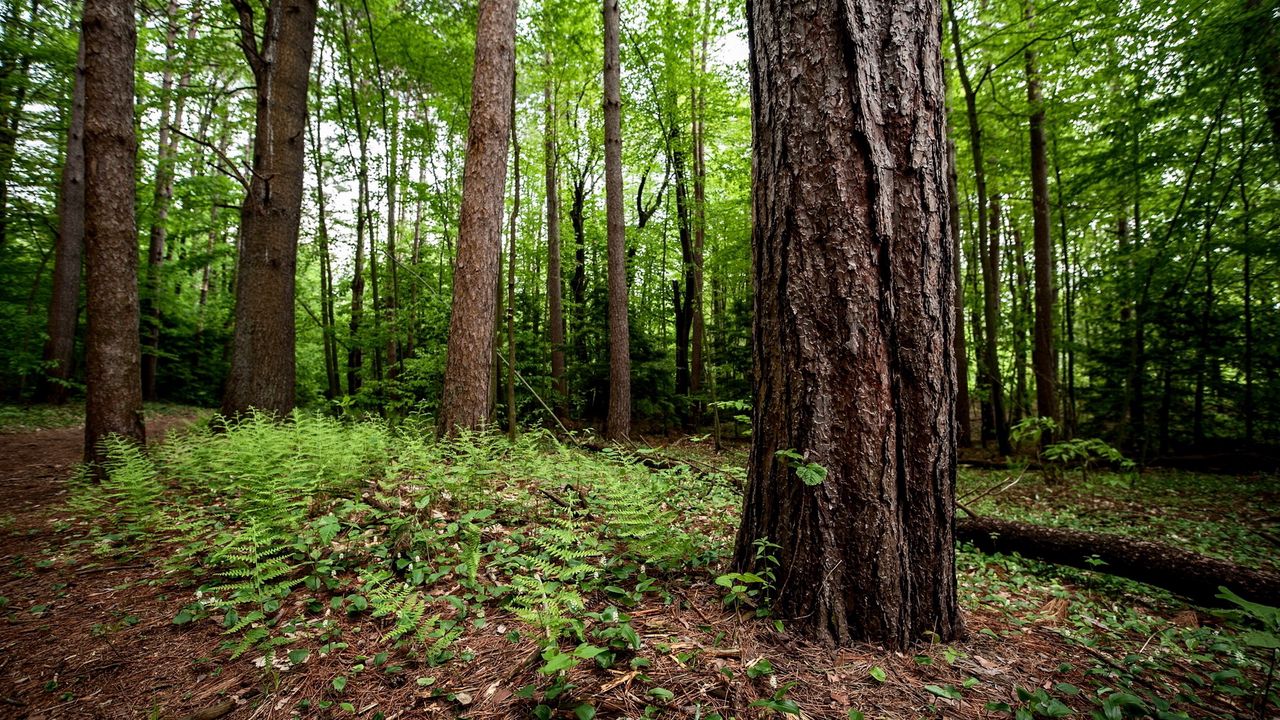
100, 618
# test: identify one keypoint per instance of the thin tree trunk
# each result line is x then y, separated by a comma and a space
989, 378
1020, 294
59, 349
511, 269
555, 302
1043, 357
262, 359
1068, 305
1247, 409
698, 327
852, 336
162, 196
618, 424
469, 366
13, 110
333, 386
964, 437
113, 399
683, 301
355, 349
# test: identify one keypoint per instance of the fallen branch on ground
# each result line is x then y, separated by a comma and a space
1185, 573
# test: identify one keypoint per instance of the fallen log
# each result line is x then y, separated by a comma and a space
1191, 575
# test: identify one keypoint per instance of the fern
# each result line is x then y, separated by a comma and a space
255, 567
404, 604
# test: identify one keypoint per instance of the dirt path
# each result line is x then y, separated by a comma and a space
86, 633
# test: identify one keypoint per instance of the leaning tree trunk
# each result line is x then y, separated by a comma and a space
262, 354
469, 366
618, 423
113, 401
852, 337
59, 348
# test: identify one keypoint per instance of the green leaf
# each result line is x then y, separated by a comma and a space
878, 673
585, 711
662, 694
1261, 639
339, 683
297, 657
760, 668
948, 692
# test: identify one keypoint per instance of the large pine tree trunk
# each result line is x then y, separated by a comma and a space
59, 348
262, 355
469, 368
113, 402
854, 324
1044, 360
618, 423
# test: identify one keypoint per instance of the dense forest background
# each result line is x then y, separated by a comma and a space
1153, 268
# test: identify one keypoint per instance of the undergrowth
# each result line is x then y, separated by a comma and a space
293, 531
416, 537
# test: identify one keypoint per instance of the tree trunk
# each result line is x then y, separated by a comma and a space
511, 269
618, 423
683, 300
469, 365
555, 302
1020, 294
333, 385
989, 378
578, 282
262, 357
59, 348
853, 330
355, 348
1189, 574
1068, 305
1043, 358
697, 326
964, 437
1261, 27
13, 109
171, 111
113, 401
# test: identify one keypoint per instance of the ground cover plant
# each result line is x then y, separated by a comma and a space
316, 568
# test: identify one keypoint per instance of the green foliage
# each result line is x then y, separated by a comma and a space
811, 474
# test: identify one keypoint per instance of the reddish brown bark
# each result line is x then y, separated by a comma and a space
113, 400
469, 368
853, 330
262, 357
